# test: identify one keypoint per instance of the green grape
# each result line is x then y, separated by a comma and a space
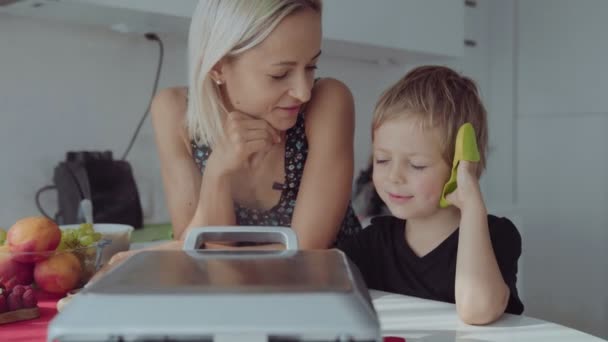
70, 236
69, 239
2, 236
97, 236
62, 246
86, 240
86, 228
83, 236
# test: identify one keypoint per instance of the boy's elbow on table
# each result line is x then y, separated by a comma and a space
479, 309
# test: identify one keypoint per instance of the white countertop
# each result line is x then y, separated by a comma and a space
418, 319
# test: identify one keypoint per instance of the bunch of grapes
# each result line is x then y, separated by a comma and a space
20, 297
83, 236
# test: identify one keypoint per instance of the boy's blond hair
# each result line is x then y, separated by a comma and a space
442, 99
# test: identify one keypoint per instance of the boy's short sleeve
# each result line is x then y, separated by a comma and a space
506, 242
357, 248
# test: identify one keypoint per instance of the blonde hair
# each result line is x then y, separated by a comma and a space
225, 28
442, 99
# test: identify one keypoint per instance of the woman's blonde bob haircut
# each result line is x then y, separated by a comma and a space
225, 28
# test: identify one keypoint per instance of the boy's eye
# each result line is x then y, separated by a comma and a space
381, 161
311, 68
418, 167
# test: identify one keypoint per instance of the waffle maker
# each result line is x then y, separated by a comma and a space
198, 295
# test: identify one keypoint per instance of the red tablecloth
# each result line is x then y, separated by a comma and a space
33, 330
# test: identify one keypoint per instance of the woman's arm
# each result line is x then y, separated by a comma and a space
192, 199
326, 183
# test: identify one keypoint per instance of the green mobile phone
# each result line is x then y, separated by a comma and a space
466, 149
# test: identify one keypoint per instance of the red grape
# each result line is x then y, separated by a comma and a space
29, 299
14, 302
3, 304
19, 290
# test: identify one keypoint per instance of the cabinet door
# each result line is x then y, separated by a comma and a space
395, 29
179, 8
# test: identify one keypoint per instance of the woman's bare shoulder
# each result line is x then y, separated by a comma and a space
170, 103
168, 112
331, 87
331, 104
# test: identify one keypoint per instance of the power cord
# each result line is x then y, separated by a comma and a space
153, 37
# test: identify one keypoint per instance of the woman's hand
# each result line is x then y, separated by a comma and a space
120, 257
245, 138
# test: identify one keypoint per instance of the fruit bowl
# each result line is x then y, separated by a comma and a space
55, 272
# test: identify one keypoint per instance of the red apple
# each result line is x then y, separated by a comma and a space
35, 235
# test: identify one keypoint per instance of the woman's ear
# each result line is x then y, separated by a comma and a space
217, 72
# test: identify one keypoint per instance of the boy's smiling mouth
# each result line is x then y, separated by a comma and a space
397, 198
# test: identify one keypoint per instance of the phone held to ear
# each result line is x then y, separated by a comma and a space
466, 149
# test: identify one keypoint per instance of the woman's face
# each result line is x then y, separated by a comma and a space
274, 79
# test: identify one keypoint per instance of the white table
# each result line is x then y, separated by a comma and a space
418, 319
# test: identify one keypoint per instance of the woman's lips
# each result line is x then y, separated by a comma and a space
291, 110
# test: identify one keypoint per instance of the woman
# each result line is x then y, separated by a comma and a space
254, 139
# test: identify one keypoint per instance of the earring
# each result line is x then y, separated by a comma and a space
218, 82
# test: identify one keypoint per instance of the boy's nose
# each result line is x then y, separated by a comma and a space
396, 174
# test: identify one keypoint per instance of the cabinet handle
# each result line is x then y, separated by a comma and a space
470, 43
470, 3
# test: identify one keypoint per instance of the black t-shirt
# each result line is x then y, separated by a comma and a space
387, 262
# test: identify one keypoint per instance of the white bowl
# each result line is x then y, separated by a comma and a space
118, 234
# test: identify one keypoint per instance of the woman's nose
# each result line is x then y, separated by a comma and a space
301, 88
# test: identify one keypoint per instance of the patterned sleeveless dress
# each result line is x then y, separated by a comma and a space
296, 151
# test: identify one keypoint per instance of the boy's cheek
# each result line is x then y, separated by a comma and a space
378, 179
431, 190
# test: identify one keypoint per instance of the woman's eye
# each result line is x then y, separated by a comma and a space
279, 77
381, 161
418, 167
311, 68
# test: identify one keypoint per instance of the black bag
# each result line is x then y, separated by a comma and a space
96, 176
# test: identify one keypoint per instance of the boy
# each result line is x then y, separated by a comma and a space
458, 254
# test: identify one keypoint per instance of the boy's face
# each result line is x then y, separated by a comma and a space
409, 171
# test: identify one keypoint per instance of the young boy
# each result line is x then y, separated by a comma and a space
458, 254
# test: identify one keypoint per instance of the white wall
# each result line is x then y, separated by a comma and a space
66, 87
562, 164
366, 81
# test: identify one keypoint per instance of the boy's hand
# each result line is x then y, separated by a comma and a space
468, 192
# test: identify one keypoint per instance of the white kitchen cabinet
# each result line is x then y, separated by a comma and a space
394, 30
562, 58
382, 30
178, 8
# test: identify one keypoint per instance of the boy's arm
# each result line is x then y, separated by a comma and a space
480, 290
358, 248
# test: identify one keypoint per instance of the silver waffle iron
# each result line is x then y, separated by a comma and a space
224, 296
